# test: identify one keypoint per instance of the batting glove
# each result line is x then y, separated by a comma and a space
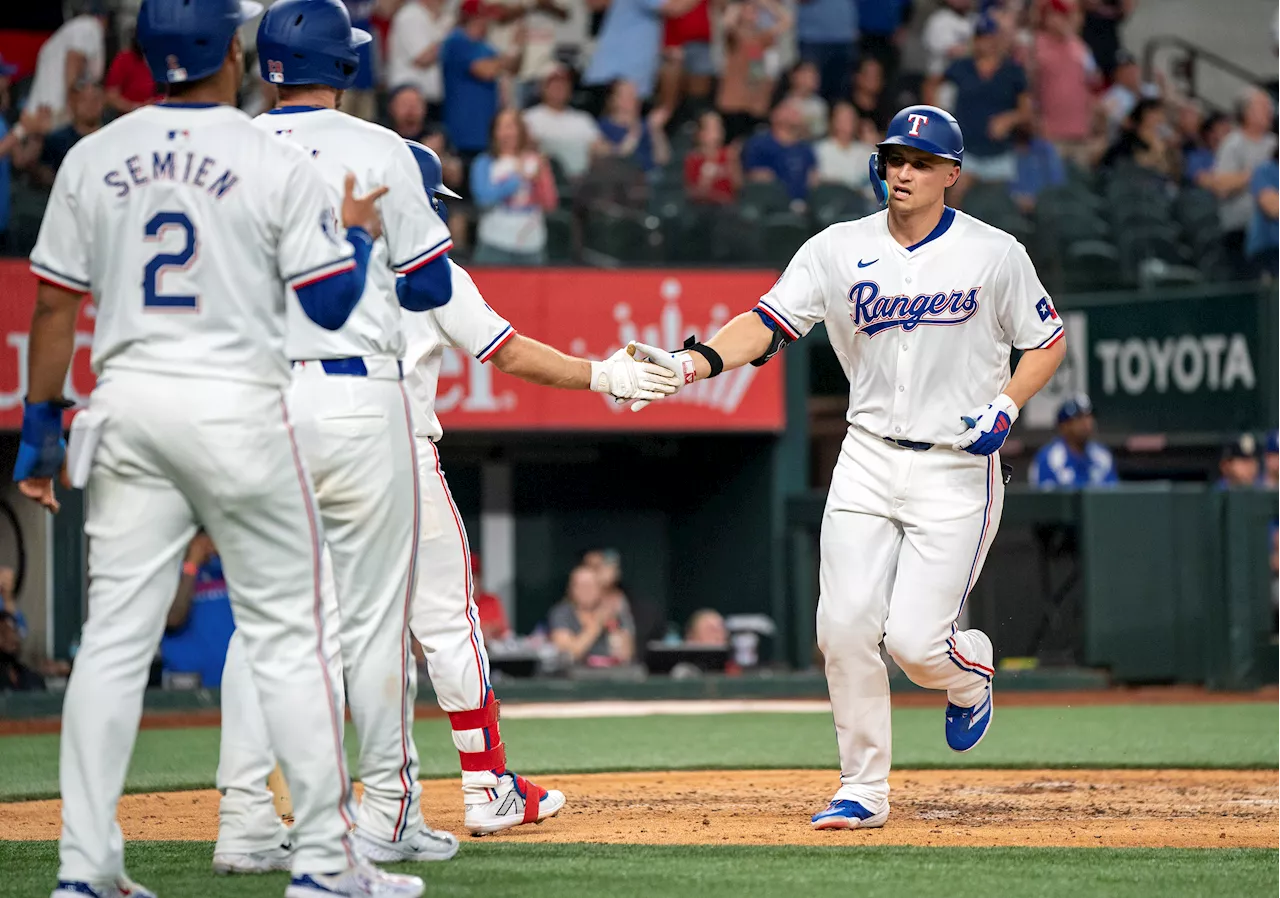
624, 377
987, 427
42, 447
679, 364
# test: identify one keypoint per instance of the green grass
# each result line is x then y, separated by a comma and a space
498, 870
1205, 735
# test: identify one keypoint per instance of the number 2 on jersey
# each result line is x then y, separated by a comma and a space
159, 224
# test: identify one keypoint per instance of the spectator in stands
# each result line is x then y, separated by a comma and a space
782, 154
1073, 460
688, 68
75, 52
991, 99
1201, 136
1271, 462
1249, 145
418, 32
712, 171
471, 68
1063, 78
802, 90
642, 140
14, 675
129, 83
199, 625
408, 112
493, 617
513, 188
1144, 143
752, 29
947, 34
1102, 20
1239, 467
629, 45
827, 36
9, 600
842, 157
568, 136
361, 99
19, 146
1125, 92
1262, 242
706, 627
882, 29
1039, 168
86, 105
870, 99
589, 630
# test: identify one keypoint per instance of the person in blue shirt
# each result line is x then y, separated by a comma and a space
1262, 239
827, 36
17, 148
1239, 467
642, 140
199, 627
1073, 460
782, 154
1039, 168
471, 68
882, 26
629, 45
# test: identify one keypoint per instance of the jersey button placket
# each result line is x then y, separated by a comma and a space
901, 409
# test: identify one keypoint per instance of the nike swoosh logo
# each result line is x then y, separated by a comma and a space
862, 264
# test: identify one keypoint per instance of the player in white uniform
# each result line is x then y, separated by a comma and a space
444, 617
185, 224
922, 304
355, 432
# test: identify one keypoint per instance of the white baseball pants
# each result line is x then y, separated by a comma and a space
904, 538
177, 453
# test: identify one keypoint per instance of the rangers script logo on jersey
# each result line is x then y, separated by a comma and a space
873, 313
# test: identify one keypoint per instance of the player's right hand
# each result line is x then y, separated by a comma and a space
680, 364
623, 376
361, 211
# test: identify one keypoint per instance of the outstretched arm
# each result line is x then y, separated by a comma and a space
538, 363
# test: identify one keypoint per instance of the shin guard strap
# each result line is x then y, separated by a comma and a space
478, 761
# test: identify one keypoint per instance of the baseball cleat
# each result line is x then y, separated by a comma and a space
424, 845
519, 801
121, 887
278, 857
845, 813
361, 881
967, 726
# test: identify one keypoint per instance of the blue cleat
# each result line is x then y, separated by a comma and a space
847, 814
967, 726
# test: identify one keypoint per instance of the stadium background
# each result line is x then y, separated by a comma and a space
1134, 626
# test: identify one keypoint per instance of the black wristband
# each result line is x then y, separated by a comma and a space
712, 357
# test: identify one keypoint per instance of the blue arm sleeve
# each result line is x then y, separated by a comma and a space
428, 287
484, 189
329, 302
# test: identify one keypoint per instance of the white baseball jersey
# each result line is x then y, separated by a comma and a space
923, 333
412, 233
466, 323
169, 216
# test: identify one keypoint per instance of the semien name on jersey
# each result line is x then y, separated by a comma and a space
176, 168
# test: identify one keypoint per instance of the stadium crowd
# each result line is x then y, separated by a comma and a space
729, 130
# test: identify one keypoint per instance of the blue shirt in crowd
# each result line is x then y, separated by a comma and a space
1058, 466
790, 164
1263, 235
4, 182
1039, 168
979, 99
827, 22
881, 17
361, 12
200, 645
629, 45
469, 102
642, 155
1195, 161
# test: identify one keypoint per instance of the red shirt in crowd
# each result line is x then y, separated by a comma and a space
708, 179
130, 75
694, 27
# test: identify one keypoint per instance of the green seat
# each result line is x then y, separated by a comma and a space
560, 246
832, 203
782, 234
760, 199
1091, 265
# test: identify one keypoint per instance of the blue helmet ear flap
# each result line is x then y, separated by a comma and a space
876, 169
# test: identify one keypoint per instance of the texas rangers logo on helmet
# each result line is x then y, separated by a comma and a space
275, 71
917, 120
174, 72
873, 313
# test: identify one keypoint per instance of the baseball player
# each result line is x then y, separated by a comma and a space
185, 223
355, 433
922, 304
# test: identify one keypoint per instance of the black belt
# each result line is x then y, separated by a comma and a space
910, 444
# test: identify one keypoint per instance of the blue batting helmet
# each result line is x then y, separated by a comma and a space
926, 128
309, 42
185, 40
432, 176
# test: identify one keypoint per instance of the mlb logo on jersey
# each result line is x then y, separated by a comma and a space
873, 313
275, 71
174, 72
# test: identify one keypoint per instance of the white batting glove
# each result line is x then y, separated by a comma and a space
679, 364
987, 426
624, 377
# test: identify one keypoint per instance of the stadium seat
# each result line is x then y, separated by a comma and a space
1196, 208
624, 235
1091, 265
831, 203
986, 202
1140, 242
1073, 195
1071, 224
783, 234
734, 239
560, 236
759, 199
689, 234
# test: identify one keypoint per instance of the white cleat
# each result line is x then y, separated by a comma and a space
364, 880
121, 887
519, 801
279, 857
424, 845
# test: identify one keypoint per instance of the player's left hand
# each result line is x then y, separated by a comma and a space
987, 427
361, 211
680, 364
623, 376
